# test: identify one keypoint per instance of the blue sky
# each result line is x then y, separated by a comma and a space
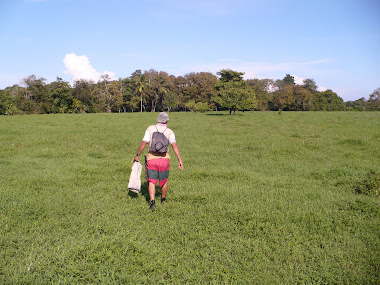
334, 42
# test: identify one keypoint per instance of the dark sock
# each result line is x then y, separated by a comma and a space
163, 200
152, 202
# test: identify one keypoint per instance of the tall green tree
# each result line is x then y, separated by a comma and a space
171, 99
160, 90
62, 95
233, 92
328, 101
310, 85
374, 100
37, 99
357, 105
141, 86
16, 92
262, 88
288, 80
303, 99
159, 87
199, 91
283, 98
179, 90
109, 94
83, 92
131, 97
6, 103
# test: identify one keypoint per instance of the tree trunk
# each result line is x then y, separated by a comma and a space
141, 103
154, 103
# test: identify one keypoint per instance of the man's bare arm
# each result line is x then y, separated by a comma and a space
141, 148
178, 154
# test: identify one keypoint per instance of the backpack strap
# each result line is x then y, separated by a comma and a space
159, 131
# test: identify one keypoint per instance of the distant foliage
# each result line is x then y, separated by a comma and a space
154, 91
374, 100
234, 93
370, 185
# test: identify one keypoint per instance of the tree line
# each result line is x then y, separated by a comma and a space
152, 91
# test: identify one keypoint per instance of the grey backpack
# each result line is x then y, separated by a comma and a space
159, 142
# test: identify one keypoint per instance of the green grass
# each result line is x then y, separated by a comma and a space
264, 199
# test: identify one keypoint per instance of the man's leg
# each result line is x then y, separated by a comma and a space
152, 191
164, 190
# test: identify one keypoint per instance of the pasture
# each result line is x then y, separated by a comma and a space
263, 199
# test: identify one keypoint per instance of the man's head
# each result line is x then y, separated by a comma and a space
162, 118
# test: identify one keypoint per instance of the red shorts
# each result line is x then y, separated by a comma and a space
158, 170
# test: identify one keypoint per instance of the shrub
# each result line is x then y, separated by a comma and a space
201, 107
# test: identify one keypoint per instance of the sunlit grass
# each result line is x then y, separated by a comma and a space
264, 198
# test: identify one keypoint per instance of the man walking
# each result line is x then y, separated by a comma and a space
158, 160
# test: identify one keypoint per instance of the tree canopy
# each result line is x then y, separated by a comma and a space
152, 91
233, 92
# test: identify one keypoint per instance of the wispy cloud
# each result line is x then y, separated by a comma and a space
256, 69
8, 80
35, 1
348, 94
259, 70
132, 54
79, 67
200, 7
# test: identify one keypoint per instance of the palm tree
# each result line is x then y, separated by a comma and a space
141, 85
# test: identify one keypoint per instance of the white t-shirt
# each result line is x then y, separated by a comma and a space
161, 128
148, 138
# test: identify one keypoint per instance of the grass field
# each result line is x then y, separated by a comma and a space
263, 199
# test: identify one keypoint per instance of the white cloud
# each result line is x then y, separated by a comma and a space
79, 67
298, 80
257, 69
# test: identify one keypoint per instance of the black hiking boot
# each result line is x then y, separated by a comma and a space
163, 201
152, 205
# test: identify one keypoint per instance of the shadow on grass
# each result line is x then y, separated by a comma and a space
232, 115
145, 192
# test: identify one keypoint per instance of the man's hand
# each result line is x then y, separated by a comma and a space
177, 153
136, 158
180, 164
